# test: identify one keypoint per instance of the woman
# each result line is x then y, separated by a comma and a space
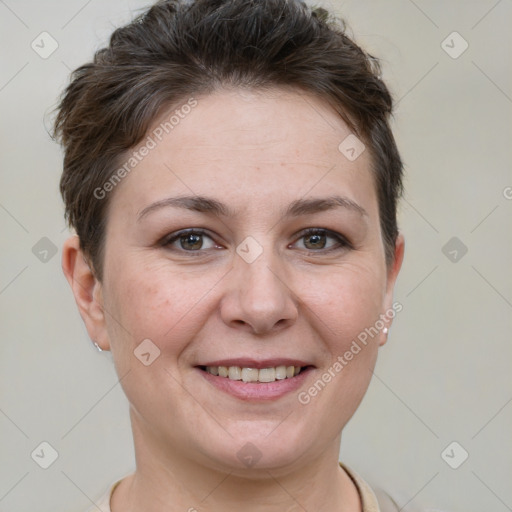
233, 180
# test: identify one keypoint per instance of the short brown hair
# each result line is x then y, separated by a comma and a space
179, 48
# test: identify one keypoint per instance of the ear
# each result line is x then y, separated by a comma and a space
87, 290
393, 271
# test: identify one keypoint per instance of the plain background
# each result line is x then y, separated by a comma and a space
445, 374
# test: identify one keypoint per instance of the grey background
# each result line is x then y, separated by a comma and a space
445, 374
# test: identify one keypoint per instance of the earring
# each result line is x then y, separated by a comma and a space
98, 347
385, 330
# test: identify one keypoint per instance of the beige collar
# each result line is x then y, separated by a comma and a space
368, 498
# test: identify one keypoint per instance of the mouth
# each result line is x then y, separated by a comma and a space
256, 380
252, 374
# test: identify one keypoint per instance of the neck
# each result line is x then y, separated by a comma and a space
164, 481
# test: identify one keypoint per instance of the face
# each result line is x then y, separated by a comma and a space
245, 239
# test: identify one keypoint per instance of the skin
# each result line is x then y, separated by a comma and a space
297, 300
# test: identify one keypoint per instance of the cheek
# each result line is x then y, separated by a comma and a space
347, 306
349, 312
150, 301
350, 300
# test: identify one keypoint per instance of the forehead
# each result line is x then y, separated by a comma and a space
282, 122
249, 145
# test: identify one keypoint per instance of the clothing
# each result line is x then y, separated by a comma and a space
371, 501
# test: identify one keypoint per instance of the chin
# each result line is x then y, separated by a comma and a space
260, 445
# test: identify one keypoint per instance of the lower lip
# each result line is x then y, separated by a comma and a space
256, 390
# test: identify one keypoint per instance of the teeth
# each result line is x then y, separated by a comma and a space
267, 375
235, 373
250, 374
253, 374
281, 372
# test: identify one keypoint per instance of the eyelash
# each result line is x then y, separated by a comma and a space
342, 242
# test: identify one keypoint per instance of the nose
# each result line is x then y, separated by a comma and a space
259, 296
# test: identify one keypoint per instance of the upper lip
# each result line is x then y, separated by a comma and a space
244, 362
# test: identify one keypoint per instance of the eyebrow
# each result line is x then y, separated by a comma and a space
297, 208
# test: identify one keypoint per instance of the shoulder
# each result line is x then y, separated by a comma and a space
103, 503
375, 499
389, 502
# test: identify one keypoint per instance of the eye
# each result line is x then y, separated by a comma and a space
316, 239
189, 240
197, 240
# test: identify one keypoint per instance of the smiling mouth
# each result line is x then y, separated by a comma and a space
263, 375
